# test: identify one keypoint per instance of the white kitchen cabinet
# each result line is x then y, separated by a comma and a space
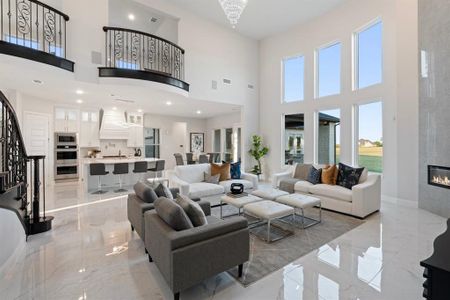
89, 129
136, 130
66, 119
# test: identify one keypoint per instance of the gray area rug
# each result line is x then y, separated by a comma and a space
267, 258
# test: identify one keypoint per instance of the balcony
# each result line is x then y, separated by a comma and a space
139, 55
35, 31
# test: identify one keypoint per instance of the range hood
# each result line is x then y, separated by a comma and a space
113, 125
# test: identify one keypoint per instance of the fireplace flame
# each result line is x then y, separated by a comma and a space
441, 180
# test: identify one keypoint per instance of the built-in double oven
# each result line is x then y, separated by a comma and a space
66, 156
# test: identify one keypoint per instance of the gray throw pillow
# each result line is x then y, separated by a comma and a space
172, 214
163, 191
193, 210
145, 193
302, 171
214, 179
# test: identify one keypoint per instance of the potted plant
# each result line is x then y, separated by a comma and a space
258, 151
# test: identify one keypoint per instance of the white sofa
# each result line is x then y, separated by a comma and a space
190, 180
362, 200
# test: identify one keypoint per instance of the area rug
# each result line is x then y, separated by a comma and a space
267, 258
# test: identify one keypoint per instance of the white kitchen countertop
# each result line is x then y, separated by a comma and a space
109, 161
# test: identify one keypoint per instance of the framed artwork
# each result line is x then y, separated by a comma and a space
197, 142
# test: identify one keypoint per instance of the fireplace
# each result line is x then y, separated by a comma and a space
439, 176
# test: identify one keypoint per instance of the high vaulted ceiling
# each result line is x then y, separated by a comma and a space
263, 18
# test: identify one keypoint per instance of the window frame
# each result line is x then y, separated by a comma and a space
283, 78
355, 53
317, 65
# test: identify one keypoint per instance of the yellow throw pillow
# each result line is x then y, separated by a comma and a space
223, 170
329, 175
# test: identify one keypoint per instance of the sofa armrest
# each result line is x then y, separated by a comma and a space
135, 212
175, 192
182, 185
250, 177
206, 207
276, 178
366, 196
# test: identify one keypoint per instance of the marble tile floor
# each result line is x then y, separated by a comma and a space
92, 254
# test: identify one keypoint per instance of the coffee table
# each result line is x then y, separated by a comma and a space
268, 211
301, 202
269, 193
237, 201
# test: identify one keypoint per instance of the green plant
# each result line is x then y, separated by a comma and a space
258, 151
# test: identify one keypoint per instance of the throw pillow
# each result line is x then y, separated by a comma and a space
163, 191
314, 175
329, 175
302, 171
211, 179
235, 170
348, 176
173, 214
223, 170
193, 210
145, 193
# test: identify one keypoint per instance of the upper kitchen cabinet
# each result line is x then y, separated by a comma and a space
66, 119
136, 130
89, 129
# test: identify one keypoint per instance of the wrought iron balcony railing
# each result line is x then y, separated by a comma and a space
33, 30
139, 55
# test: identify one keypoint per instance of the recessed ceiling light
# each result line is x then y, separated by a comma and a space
80, 92
37, 81
199, 112
131, 17
169, 103
140, 110
79, 101
114, 108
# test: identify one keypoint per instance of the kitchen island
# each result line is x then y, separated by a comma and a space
110, 180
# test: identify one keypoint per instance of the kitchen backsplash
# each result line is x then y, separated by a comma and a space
110, 148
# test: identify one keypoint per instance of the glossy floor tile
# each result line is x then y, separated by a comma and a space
92, 254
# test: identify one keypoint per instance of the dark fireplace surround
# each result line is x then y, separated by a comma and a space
439, 176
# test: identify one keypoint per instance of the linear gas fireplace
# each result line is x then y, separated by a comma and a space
439, 176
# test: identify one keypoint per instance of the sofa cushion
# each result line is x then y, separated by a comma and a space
173, 214
331, 191
223, 170
227, 184
211, 178
288, 184
348, 176
302, 171
314, 175
235, 170
203, 189
144, 192
329, 175
163, 191
192, 173
193, 210
302, 186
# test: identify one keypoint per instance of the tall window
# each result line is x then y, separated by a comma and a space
228, 151
329, 136
369, 56
293, 79
294, 138
370, 140
216, 145
152, 142
328, 64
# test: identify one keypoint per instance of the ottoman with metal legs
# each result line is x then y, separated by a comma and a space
238, 202
268, 211
301, 202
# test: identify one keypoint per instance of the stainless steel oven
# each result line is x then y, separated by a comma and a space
66, 172
66, 156
66, 139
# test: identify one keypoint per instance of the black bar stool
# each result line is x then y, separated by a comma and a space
120, 169
159, 167
98, 170
140, 167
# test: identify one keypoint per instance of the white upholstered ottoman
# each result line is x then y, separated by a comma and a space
269, 194
301, 202
268, 211
237, 201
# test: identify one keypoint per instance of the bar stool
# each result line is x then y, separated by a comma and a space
190, 158
98, 170
140, 167
159, 167
120, 169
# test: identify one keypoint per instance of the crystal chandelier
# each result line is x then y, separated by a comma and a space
233, 9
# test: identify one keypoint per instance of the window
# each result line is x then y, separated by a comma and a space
216, 145
329, 136
370, 139
328, 70
369, 56
228, 151
152, 142
294, 138
293, 79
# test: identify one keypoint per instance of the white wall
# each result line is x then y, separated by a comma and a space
398, 90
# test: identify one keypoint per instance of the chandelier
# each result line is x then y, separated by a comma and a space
233, 9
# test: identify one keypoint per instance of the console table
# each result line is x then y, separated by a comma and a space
437, 269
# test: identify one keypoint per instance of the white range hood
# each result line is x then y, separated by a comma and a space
113, 125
